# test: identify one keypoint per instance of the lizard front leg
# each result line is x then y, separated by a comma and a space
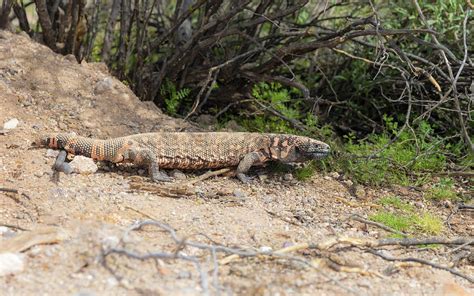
60, 163
145, 157
246, 163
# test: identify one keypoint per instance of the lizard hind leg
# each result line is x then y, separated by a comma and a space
145, 157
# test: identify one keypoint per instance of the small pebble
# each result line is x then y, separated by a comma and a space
239, 194
11, 124
110, 242
348, 182
103, 86
206, 120
85, 293
62, 126
359, 191
52, 153
112, 282
265, 249
184, 274
447, 204
267, 199
6, 232
11, 263
288, 177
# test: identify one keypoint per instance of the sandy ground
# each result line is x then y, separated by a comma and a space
83, 216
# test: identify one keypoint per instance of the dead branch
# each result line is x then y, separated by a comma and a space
181, 244
379, 225
5, 9
46, 25
422, 261
22, 18
179, 189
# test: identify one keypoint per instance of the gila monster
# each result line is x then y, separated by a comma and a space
188, 150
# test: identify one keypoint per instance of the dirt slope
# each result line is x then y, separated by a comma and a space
49, 92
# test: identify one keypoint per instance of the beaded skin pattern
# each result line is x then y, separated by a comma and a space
191, 150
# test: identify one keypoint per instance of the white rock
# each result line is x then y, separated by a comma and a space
103, 86
52, 153
239, 194
112, 282
110, 242
11, 263
83, 165
265, 249
11, 124
6, 232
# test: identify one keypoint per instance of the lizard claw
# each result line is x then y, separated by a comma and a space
243, 178
161, 177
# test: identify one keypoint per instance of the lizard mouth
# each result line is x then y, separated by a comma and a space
320, 154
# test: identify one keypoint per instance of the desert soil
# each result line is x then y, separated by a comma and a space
72, 220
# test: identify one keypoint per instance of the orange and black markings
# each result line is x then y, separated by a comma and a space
192, 150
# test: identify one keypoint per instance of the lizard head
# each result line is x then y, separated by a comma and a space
53, 141
309, 148
291, 148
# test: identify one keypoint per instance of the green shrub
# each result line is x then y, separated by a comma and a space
403, 217
442, 190
173, 98
378, 161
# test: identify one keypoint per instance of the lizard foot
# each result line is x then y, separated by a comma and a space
160, 177
243, 178
61, 165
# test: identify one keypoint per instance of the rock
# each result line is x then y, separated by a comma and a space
206, 120
6, 232
265, 249
85, 293
447, 204
239, 194
103, 86
334, 175
112, 282
110, 242
178, 175
83, 165
232, 125
62, 126
184, 274
359, 191
263, 177
288, 177
348, 182
11, 263
52, 153
11, 124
